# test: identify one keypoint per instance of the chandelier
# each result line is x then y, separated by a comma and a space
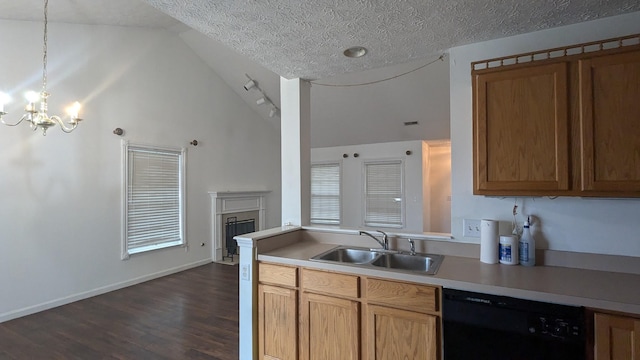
38, 118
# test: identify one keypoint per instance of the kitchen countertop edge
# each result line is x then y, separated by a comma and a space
602, 290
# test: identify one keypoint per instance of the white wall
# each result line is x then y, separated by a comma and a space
376, 113
60, 195
417, 174
607, 226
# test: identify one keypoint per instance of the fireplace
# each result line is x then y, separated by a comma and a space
238, 212
236, 224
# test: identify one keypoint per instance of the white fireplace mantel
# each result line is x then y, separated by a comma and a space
229, 202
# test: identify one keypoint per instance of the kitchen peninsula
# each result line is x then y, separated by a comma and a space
590, 285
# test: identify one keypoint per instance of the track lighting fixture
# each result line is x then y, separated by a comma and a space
263, 99
250, 84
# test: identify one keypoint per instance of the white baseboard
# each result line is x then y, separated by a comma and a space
98, 291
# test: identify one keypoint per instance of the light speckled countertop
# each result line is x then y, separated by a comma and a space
589, 288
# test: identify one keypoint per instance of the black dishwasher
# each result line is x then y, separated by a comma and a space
482, 326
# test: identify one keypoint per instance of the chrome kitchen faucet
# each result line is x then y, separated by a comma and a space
385, 239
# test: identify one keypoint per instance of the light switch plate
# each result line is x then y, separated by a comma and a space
471, 228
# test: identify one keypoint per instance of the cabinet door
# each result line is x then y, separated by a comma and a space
277, 322
330, 328
610, 123
400, 334
521, 121
617, 337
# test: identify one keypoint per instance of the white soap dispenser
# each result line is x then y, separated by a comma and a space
527, 246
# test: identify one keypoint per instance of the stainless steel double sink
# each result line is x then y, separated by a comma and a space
427, 264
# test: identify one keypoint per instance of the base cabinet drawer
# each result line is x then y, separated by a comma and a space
330, 283
409, 296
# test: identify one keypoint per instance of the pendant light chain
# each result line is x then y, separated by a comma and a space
44, 49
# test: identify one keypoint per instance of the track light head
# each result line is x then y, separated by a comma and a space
261, 101
249, 85
273, 112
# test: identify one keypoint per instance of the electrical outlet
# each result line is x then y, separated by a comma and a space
471, 228
244, 272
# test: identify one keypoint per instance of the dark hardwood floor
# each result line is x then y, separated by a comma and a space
189, 315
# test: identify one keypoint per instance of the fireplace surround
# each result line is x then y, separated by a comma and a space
239, 204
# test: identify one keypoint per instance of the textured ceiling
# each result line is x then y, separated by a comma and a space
306, 38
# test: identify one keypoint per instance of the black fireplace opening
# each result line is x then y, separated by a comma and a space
235, 227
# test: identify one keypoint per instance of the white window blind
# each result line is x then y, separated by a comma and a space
325, 193
383, 193
154, 199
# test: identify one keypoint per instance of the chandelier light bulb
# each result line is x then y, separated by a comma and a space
74, 110
32, 97
4, 99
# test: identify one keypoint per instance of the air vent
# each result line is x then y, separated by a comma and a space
409, 123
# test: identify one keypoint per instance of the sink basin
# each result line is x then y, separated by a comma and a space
347, 255
427, 264
423, 263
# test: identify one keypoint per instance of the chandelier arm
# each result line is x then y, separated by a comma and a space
62, 125
18, 123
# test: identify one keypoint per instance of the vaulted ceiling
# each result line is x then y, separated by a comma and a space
306, 39
271, 38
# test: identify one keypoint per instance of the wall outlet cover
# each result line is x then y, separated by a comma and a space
244, 272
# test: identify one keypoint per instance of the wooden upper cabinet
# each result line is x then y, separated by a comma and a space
610, 123
565, 122
521, 130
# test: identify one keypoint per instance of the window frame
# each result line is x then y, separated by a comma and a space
340, 192
366, 223
181, 154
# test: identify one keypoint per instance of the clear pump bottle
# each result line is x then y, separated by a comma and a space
527, 246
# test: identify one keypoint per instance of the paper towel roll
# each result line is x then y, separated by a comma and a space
489, 241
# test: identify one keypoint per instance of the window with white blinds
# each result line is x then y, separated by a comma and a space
154, 198
383, 193
325, 194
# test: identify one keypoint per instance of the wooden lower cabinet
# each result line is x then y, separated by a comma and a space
277, 312
277, 322
616, 337
329, 328
339, 316
400, 334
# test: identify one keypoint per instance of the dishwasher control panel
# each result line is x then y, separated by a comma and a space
561, 328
